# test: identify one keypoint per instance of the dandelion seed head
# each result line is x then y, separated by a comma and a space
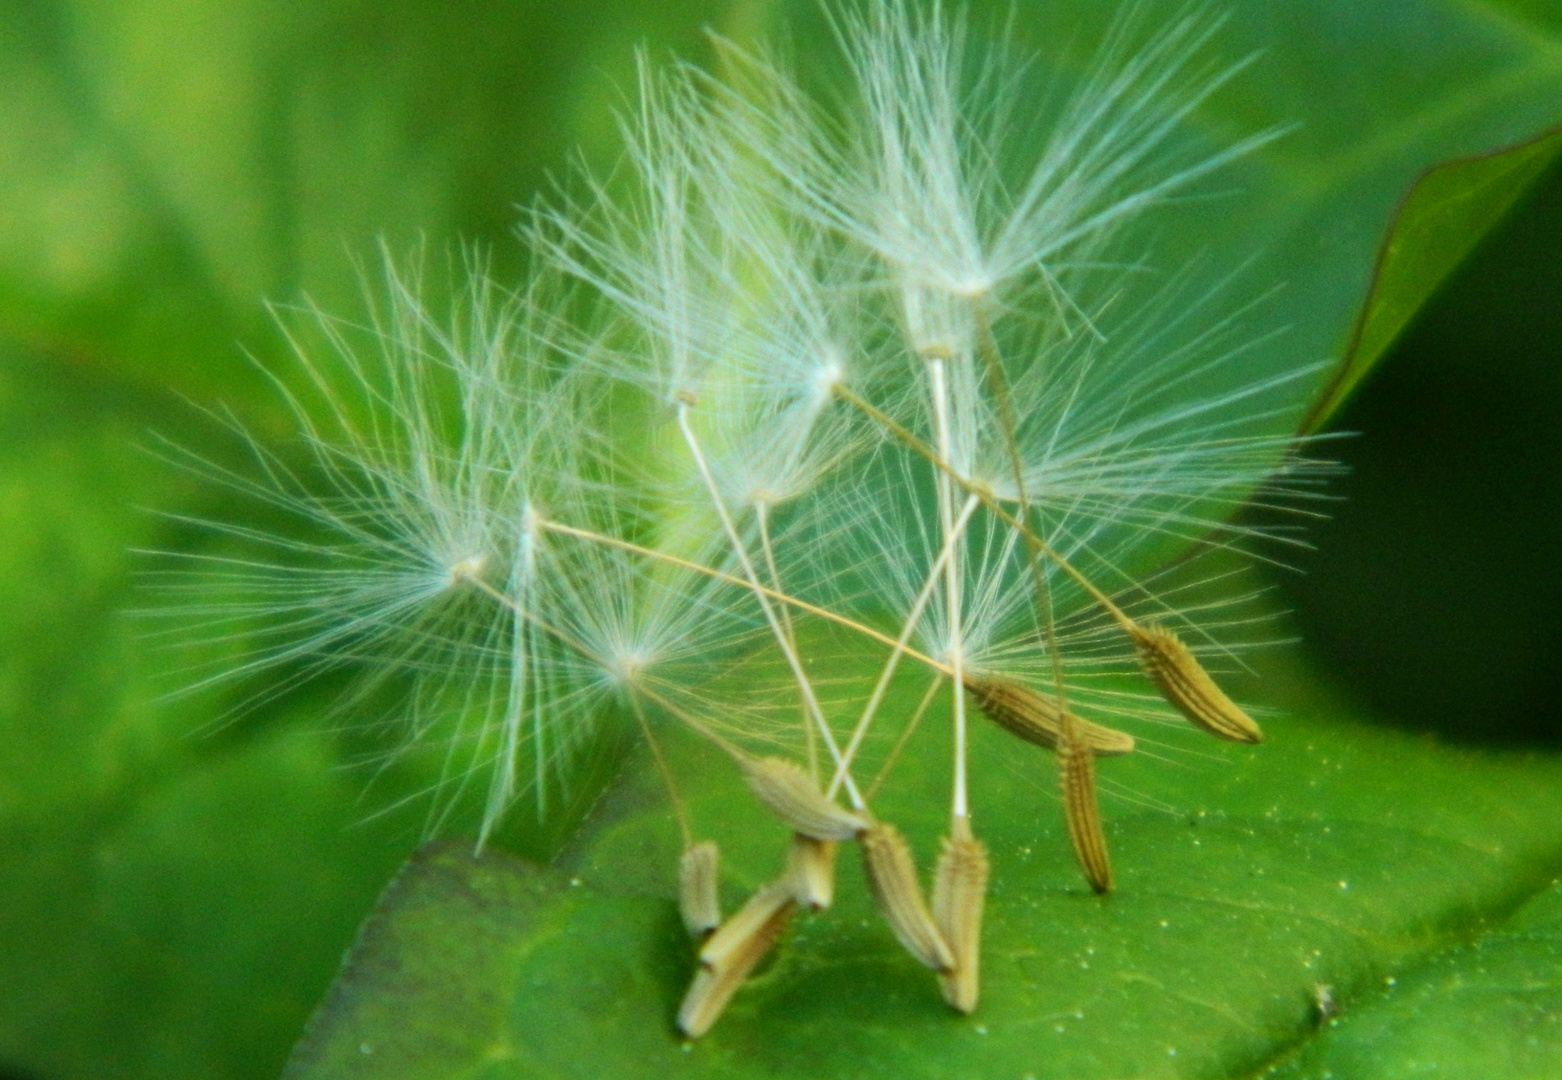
828, 372
469, 568
797, 303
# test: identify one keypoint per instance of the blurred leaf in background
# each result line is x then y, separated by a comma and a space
1434, 589
177, 894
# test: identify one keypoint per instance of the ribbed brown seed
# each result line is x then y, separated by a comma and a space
810, 868
794, 797
698, 876
1036, 718
1184, 683
733, 935
959, 892
1077, 772
740, 943
892, 876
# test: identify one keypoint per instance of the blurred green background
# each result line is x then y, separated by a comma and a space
1434, 591
174, 899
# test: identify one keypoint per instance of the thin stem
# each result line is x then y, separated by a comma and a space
737, 582
905, 736
998, 384
934, 574
990, 501
940, 390
738, 549
762, 516
661, 767
508, 602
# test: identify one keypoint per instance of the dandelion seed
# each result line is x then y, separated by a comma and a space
1176, 672
925, 201
713, 353
959, 894
922, 176
810, 869
892, 877
731, 954
794, 797
420, 457
698, 877
1188, 686
755, 919
897, 356
1035, 718
1081, 813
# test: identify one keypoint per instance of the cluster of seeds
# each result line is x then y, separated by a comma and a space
885, 359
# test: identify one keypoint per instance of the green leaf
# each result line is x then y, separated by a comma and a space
178, 892
1445, 215
178, 886
161, 877
459, 986
1248, 878
1491, 1007
172, 165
